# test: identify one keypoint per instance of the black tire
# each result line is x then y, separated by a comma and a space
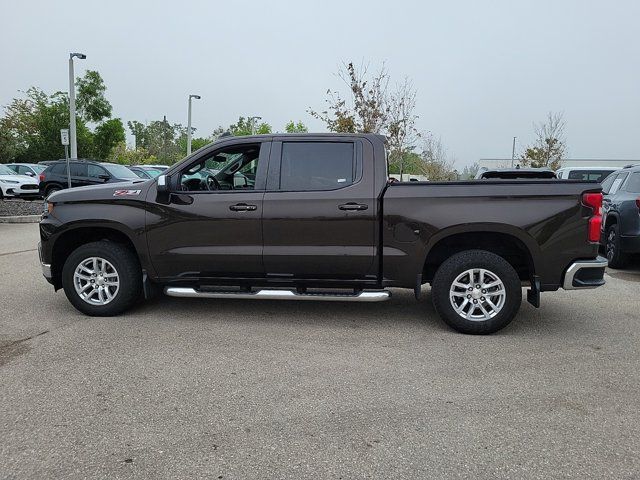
613, 249
457, 265
127, 267
51, 189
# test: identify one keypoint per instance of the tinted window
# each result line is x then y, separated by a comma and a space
120, 171
617, 182
59, 169
78, 169
316, 165
597, 175
606, 184
633, 185
15, 168
95, 171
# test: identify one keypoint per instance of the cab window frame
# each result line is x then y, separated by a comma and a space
275, 167
261, 171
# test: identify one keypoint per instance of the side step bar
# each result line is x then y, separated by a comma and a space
363, 296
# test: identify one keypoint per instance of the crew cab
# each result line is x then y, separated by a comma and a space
314, 217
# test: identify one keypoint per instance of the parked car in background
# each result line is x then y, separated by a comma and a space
597, 174
144, 171
29, 169
14, 185
516, 174
621, 215
83, 173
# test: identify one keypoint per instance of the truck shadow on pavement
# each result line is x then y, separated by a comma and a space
401, 310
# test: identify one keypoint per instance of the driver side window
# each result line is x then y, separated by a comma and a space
228, 169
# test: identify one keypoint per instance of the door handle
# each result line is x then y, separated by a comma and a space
243, 207
353, 206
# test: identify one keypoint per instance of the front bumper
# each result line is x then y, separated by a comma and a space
22, 191
46, 267
584, 274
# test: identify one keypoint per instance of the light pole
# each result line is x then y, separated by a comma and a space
197, 97
513, 151
72, 105
253, 124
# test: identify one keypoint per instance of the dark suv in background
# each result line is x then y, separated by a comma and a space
621, 215
83, 173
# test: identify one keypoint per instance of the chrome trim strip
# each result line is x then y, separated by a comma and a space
365, 296
575, 266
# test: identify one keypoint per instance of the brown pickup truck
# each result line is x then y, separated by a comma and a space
314, 217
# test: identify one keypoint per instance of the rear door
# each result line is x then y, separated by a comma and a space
320, 210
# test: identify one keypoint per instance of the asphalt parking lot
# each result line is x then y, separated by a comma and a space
183, 388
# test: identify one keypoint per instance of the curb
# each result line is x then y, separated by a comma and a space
21, 219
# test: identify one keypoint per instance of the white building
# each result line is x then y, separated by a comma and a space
491, 163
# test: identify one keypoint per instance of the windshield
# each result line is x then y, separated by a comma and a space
153, 172
119, 171
4, 170
38, 168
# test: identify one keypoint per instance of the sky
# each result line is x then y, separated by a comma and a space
484, 71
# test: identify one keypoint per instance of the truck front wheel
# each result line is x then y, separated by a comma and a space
102, 278
476, 292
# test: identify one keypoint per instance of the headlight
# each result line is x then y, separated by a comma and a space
9, 181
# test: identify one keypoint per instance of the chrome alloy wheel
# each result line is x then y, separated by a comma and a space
477, 294
96, 281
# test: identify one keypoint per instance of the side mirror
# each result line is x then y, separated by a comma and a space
163, 183
104, 177
30, 174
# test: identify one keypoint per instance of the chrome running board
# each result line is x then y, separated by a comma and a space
362, 296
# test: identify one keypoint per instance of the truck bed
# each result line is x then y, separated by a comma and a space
544, 216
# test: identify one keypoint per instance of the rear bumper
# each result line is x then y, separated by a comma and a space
584, 274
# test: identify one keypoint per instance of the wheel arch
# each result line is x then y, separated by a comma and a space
83, 233
514, 245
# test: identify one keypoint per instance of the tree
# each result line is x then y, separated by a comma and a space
248, 126
469, 172
372, 107
30, 127
367, 108
436, 165
106, 136
160, 139
127, 156
550, 145
401, 130
91, 103
292, 127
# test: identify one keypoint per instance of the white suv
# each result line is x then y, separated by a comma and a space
13, 185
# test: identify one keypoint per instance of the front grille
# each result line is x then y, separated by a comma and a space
29, 187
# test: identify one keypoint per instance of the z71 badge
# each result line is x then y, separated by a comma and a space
124, 193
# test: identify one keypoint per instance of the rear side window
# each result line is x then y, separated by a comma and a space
310, 166
633, 185
585, 175
59, 169
78, 169
617, 182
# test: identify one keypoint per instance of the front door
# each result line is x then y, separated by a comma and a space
320, 213
210, 227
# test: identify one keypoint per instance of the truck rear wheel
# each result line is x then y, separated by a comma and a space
102, 278
476, 292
